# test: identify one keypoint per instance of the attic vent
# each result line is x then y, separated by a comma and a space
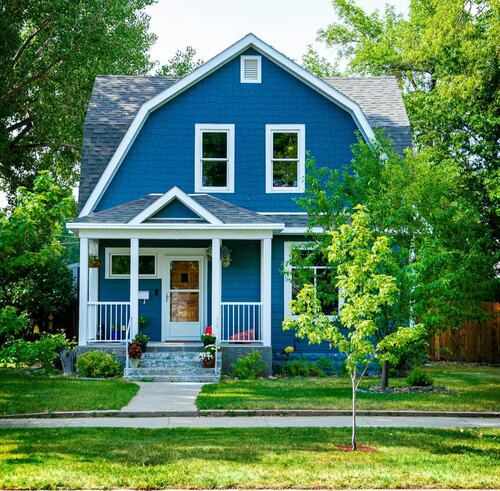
251, 69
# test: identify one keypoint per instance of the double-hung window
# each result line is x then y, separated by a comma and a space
304, 266
285, 158
214, 158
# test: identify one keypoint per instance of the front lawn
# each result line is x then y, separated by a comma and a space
22, 393
474, 388
246, 458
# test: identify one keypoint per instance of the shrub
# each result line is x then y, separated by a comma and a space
248, 367
97, 364
35, 353
301, 368
326, 366
418, 378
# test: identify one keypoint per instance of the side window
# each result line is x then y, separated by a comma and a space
118, 265
214, 158
285, 158
317, 272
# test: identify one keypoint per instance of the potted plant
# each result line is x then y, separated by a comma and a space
143, 340
94, 262
134, 353
225, 255
208, 356
208, 339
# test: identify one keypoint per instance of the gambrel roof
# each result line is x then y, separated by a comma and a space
119, 105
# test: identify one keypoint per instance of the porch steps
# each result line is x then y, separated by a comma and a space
172, 366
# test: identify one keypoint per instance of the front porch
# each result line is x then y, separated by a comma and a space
183, 293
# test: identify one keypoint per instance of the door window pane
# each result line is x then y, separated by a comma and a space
184, 306
184, 275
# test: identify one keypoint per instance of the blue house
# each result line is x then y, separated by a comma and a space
187, 199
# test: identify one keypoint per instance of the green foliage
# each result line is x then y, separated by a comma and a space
301, 368
50, 53
326, 365
418, 378
181, 64
444, 54
142, 338
33, 273
318, 65
41, 353
12, 324
98, 364
248, 367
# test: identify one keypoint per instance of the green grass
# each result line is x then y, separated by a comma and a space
475, 388
246, 458
22, 393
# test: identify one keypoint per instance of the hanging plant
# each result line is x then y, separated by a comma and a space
225, 255
94, 262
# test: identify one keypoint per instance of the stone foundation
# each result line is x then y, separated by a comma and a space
231, 353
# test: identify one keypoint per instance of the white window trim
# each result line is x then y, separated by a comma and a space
198, 179
275, 128
243, 58
125, 251
287, 290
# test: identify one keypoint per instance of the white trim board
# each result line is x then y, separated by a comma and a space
172, 194
249, 41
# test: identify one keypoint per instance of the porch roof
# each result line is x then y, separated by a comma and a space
227, 213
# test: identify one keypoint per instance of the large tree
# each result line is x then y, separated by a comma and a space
181, 64
50, 53
445, 56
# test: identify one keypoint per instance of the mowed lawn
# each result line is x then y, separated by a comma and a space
247, 458
22, 393
473, 388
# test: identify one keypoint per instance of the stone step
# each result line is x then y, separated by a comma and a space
151, 372
177, 378
179, 355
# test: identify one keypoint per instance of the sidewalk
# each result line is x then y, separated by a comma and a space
253, 422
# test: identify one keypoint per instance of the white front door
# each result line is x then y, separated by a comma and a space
184, 298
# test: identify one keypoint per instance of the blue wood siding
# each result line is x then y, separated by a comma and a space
175, 209
162, 155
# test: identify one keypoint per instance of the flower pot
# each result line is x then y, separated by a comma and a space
209, 363
134, 362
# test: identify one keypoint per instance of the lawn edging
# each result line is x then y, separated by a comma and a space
116, 413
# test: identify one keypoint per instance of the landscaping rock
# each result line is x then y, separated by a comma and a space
407, 390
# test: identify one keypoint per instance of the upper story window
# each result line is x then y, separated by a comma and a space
285, 158
251, 69
214, 158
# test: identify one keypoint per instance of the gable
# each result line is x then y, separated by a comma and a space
220, 95
175, 210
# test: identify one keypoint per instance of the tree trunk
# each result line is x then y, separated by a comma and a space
353, 439
384, 377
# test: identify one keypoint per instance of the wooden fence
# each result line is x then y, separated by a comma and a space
475, 341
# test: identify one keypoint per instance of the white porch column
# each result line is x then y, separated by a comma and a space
265, 289
84, 291
93, 272
216, 287
134, 286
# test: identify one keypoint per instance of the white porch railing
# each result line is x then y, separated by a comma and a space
107, 321
241, 322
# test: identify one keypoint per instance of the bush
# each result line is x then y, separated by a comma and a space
97, 364
42, 353
418, 378
248, 367
301, 368
326, 366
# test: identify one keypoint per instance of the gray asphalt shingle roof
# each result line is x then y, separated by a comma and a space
226, 212
115, 101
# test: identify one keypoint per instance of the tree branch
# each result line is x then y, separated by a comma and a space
28, 40
19, 124
20, 135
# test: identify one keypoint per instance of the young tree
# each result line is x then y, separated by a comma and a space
50, 53
33, 274
361, 261
181, 64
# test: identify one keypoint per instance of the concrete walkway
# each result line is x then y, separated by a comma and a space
164, 397
253, 422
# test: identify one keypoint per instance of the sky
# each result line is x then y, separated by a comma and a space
210, 26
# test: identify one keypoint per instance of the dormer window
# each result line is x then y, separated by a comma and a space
214, 158
251, 69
